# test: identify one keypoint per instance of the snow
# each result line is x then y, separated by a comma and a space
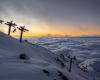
12, 68
86, 50
90, 64
44, 55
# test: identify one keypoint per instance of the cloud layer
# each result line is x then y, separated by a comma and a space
65, 14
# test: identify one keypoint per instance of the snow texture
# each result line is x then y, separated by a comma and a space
48, 58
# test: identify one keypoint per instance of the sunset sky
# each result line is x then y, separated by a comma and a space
54, 17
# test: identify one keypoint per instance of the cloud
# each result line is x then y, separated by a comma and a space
54, 13
51, 9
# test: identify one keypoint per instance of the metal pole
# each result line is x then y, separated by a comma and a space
9, 30
70, 66
21, 36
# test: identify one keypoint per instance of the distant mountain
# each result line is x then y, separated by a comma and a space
96, 36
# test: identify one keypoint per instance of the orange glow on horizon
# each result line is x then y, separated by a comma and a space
54, 34
45, 30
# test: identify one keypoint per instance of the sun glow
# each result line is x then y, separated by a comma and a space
43, 29
50, 32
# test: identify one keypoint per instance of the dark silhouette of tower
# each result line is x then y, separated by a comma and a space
70, 62
10, 24
22, 29
70, 65
1, 21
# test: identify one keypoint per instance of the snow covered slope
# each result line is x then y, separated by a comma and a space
86, 50
41, 63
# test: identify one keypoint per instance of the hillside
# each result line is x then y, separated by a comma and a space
40, 64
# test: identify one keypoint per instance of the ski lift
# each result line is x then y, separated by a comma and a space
22, 29
10, 24
1, 21
14, 30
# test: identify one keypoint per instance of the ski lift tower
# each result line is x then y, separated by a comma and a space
1, 21
10, 24
71, 58
22, 29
